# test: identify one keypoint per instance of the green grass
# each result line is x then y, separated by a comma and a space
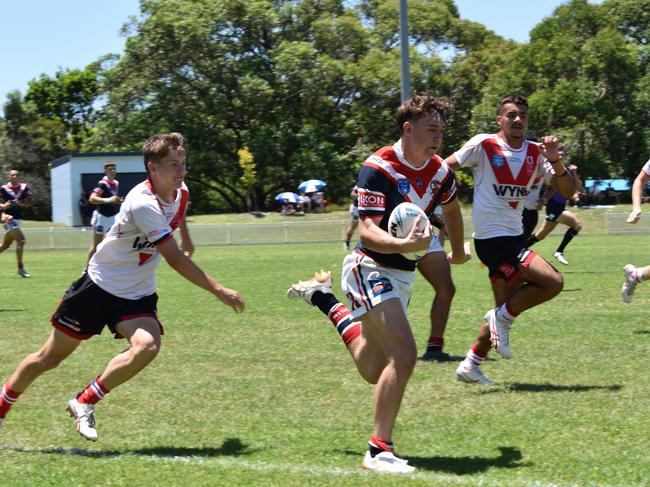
270, 397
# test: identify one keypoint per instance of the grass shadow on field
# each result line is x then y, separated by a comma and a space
509, 457
525, 387
641, 332
231, 447
3, 310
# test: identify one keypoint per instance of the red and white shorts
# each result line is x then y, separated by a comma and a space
366, 284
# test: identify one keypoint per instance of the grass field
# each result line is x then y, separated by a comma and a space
270, 397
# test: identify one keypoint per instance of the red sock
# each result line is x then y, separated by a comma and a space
384, 445
7, 399
93, 393
341, 318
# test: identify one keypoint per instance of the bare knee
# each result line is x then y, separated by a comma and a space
405, 361
145, 350
556, 284
370, 376
446, 292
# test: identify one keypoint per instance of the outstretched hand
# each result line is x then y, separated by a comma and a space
232, 298
550, 148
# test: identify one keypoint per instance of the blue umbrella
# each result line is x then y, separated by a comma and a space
312, 185
288, 197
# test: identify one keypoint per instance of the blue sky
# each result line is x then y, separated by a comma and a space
41, 36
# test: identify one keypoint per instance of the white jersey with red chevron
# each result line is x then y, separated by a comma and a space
503, 177
126, 260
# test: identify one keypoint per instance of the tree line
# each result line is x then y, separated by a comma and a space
272, 92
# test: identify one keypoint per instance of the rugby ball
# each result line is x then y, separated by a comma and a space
401, 221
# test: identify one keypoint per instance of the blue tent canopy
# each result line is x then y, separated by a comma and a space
603, 184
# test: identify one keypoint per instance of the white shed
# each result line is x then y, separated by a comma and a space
73, 173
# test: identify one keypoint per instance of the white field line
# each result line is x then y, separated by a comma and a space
230, 462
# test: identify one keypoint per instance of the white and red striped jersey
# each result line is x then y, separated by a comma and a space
126, 260
503, 177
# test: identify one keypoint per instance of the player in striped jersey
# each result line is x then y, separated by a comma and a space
15, 196
377, 278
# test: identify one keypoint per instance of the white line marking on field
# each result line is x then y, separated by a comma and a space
231, 462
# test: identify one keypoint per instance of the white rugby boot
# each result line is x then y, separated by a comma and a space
499, 333
471, 374
84, 418
322, 281
386, 462
560, 258
629, 284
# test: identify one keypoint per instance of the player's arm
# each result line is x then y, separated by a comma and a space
187, 246
182, 264
374, 238
562, 179
455, 230
637, 192
95, 197
452, 162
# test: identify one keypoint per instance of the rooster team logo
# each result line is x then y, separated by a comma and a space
530, 165
435, 186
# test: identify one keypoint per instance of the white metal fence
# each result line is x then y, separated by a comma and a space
272, 233
615, 223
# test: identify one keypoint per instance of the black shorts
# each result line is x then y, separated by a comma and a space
86, 308
554, 209
503, 256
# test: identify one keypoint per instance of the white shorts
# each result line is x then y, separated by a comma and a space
12, 225
101, 224
366, 283
434, 246
354, 212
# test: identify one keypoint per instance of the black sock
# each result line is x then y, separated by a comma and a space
568, 236
532, 240
375, 447
324, 301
